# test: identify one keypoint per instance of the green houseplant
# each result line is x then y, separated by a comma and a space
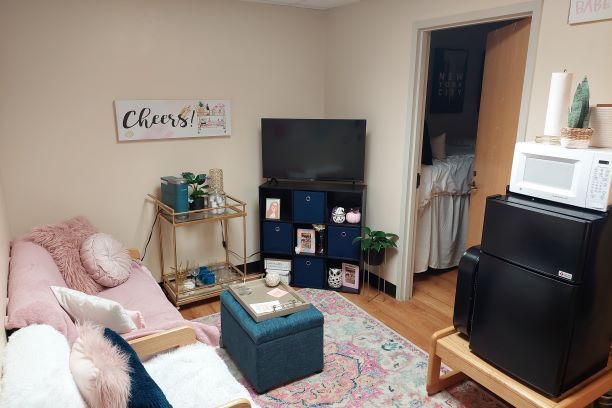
578, 134
197, 184
374, 243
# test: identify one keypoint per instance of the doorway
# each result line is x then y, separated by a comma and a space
452, 107
420, 109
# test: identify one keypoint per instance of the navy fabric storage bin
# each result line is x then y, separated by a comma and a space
309, 207
308, 272
273, 352
277, 237
340, 242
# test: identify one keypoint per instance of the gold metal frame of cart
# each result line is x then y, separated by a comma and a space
173, 281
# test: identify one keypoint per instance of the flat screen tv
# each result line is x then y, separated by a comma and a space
313, 149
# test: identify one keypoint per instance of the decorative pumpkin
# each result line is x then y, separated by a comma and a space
334, 279
353, 216
338, 215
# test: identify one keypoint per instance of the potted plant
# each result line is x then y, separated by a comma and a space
577, 134
374, 243
197, 186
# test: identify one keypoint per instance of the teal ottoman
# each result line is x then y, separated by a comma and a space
275, 351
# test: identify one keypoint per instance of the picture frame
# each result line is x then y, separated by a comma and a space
584, 12
350, 275
448, 80
306, 242
142, 119
273, 208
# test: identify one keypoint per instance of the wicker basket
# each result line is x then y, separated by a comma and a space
576, 138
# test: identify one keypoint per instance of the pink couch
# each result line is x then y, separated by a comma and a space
30, 300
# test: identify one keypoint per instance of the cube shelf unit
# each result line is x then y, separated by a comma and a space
303, 204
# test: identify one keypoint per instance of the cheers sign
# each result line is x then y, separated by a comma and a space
172, 119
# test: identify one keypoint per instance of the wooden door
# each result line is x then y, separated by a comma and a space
500, 103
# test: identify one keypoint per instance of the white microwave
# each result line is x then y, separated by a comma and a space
579, 177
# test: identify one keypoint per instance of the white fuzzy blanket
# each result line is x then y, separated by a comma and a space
36, 371
195, 376
37, 374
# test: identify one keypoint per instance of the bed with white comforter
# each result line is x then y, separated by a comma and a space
444, 197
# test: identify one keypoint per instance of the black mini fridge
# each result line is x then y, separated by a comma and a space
543, 300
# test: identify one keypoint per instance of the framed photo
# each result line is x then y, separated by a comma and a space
350, 275
306, 241
273, 208
448, 81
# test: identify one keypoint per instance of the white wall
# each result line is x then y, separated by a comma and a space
368, 59
63, 63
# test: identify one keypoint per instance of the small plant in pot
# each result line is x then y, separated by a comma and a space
198, 186
577, 134
374, 244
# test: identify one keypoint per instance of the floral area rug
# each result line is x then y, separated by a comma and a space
366, 365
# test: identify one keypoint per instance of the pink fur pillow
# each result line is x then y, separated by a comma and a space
100, 370
106, 260
63, 241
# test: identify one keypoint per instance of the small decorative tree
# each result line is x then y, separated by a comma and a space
374, 244
579, 111
198, 188
577, 134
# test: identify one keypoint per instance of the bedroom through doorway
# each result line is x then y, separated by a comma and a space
473, 98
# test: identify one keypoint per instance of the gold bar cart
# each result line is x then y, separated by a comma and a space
225, 272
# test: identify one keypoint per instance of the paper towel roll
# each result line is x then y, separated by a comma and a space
558, 103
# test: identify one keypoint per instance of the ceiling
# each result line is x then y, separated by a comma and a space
311, 4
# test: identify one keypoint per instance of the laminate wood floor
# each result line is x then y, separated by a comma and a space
429, 310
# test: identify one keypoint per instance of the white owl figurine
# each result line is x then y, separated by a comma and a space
334, 278
338, 215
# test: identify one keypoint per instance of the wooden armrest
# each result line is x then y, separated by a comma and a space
158, 342
134, 253
237, 403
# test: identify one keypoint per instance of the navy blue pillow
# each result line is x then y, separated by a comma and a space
144, 393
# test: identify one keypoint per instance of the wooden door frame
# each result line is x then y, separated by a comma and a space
418, 71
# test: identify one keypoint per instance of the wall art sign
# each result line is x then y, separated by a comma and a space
172, 119
582, 11
448, 81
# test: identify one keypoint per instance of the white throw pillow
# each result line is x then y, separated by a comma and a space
438, 147
106, 260
36, 373
105, 312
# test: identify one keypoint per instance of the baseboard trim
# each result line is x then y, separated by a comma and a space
252, 267
385, 286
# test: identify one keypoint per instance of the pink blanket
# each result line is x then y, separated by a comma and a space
31, 301
141, 292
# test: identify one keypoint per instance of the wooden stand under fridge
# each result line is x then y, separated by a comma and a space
448, 346
226, 272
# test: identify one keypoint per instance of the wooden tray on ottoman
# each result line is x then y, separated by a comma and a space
256, 292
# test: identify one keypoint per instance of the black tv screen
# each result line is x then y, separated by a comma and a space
313, 149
